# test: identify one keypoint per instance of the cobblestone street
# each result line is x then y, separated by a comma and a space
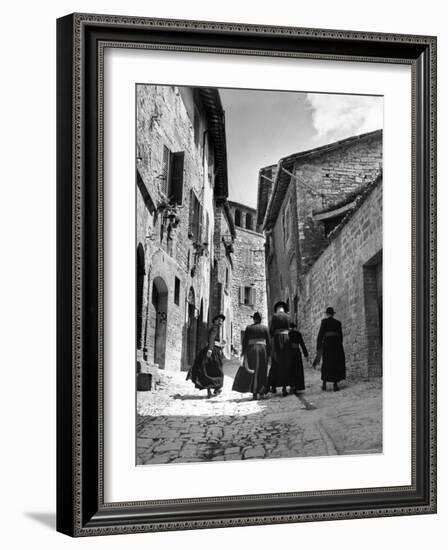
177, 423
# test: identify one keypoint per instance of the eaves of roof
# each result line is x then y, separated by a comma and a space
216, 126
355, 204
282, 178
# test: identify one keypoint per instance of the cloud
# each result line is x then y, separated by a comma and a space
336, 117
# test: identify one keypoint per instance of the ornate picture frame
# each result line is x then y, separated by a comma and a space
81, 506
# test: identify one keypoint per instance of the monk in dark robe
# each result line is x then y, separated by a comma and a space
206, 371
296, 346
279, 331
329, 345
256, 351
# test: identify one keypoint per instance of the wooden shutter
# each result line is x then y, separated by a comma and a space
165, 169
252, 296
177, 177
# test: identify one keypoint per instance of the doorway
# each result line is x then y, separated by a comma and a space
160, 314
373, 307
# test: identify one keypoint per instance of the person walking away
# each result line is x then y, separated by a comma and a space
329, 345
297, 346
206, 371
255, 354
279, 331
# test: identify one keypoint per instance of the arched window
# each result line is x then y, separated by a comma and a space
237, 218
248, 221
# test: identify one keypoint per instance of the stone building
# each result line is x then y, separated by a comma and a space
222, 271
181, 176
321, 211
248, 288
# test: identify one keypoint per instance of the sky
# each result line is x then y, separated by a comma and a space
264, 126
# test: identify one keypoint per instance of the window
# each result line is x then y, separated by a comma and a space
227, 278
195, 221
173, 175
248, 221
237, 218
247, 295
176, 291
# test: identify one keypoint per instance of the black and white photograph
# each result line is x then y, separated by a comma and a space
222, 237
259, 289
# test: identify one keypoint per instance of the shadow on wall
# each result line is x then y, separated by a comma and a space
194, 338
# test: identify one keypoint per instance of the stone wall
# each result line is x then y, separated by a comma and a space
244, 216
164, 122
342, 278
311, 271
222, 277
282, 255
248, 271
328, 178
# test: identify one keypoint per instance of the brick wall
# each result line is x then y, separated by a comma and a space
329, 178
340, 278
310, 271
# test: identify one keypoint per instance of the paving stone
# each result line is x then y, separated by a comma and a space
160, 459
144, 443
254, 452
169, 446
231, 450
232, 427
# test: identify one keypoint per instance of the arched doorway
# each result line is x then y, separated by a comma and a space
191, 327
160, 315
139, 293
